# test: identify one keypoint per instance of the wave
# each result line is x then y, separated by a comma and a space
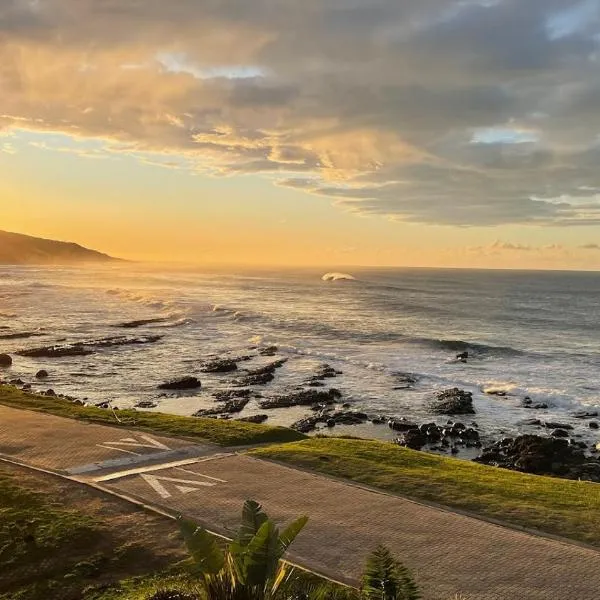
338, 277
474, 348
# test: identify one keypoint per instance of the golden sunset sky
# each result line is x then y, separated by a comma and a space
335, 132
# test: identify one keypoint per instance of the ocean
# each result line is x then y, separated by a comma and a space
528, 334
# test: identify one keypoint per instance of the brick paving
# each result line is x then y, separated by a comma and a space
447, 552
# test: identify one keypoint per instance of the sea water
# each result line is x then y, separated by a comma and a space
528, 334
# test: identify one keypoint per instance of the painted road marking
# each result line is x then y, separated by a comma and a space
154, 481
161, 467
131, 442
137, 459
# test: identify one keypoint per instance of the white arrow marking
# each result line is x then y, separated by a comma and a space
154, 481
132, 442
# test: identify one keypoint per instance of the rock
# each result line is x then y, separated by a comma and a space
453, 402
140, 323
254, 419
26, 386
146, 404
586, 414
18, 381
402, 425
262, 375
463, 356
86, 348
315, 383
229, 394
5, 360
220, 365
261, 379
184, 383
50, 392
554, 425
303, 398
593, 425
230, 407
268, 351
20, 335
330, 422
56, 351
560, 433
351, 417
454, 450
531, 422
536, 454
306, 425
41, 374
325, 372
405, 380
413, 439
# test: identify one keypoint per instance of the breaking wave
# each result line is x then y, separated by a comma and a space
338, 277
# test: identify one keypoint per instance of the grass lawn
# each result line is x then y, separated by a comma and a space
218, 431
61, 540
556, 506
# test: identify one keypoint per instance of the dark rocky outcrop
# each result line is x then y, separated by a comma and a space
330, 419
453, 402
184, 383
529, 403
254, 419
141, 322
542, 456
435, 437
229, 394
268, 351
261, 375
41, 374
405, 381
86, 348
146, 404
20, 335
228, 408
555, 425
219, 365
5, 360
56, 351
303, 398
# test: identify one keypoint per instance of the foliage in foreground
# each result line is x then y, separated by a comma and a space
218, 431
251, 567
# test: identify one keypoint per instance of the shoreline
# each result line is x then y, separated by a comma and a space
558, 454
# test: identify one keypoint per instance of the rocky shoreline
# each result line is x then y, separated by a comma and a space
555, 450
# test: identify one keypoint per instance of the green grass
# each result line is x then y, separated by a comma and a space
556, 506
47, 551
218, 431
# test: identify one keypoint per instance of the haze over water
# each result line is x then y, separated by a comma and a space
527, 334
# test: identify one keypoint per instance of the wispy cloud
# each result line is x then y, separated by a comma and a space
456, 112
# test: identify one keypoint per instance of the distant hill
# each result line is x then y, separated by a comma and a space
18, 249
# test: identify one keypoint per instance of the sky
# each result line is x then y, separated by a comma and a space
459, 133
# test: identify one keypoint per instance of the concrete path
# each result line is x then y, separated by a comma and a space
448, 553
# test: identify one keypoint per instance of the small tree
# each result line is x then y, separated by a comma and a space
385, 578
250, 567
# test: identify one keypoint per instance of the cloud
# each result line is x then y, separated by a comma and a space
454, 112
590, 247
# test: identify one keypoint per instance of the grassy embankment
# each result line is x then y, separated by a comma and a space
555, 506
222, 432
61, 540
